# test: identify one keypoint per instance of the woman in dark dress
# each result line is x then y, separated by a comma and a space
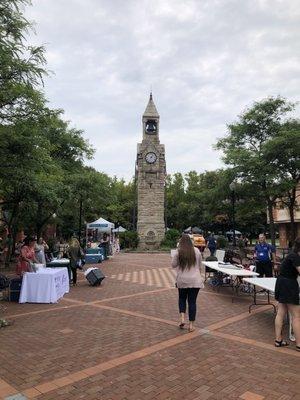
75, 254
287, 294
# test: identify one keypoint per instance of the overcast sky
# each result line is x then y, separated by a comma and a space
206, 60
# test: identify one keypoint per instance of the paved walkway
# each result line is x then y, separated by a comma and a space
121, 341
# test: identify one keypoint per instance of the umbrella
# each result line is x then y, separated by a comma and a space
231, 232
197, 230
119, 229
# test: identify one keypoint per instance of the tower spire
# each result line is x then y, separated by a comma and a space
151, 110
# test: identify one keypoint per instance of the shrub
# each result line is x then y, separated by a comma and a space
129, 240
171, 238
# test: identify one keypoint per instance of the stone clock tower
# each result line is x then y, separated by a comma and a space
150, 176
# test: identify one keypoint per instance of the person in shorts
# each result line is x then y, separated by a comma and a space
264, 254
287, 295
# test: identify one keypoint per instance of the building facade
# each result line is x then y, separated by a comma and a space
283, 221
150, 178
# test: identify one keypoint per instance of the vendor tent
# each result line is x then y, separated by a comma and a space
119, 229
101, 225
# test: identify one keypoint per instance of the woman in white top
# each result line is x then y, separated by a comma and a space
40, 248
187, 261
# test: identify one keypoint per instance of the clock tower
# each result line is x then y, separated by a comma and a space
150, 177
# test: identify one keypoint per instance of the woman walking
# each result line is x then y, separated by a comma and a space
287, 294
187, 261
75, 254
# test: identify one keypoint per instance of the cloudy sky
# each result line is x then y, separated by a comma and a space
206, 60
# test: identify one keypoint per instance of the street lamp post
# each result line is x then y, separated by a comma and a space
232, 187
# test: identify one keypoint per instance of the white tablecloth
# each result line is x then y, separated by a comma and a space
229, 269
264, 283
45, 286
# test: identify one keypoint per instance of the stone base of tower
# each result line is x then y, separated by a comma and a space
150, 237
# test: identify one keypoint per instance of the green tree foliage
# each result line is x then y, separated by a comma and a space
204, 200
171, 238
283, 153
129, 240
176, 206
245, 148
21, 67
122, 203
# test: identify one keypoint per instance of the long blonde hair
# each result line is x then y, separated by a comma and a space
186, 252
74, 242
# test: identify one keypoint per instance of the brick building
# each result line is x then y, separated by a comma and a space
283, 221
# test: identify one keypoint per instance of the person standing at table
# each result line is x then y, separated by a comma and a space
211, 244
27, 256
75, 254
40, 248
105, 242
187, 261
287, 295
264, 254
62, 248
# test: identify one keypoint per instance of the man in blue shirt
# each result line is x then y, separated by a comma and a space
211, 244
264, 254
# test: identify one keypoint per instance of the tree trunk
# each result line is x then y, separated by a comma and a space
38, 225
292, 213
271, 220
10, 227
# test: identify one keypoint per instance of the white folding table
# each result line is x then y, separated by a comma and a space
44, 286
269, 285
59, 263
233, 271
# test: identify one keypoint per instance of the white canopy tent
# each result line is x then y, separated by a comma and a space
102, 225
97, 228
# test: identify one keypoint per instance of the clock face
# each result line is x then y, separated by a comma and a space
151, 126
151, 158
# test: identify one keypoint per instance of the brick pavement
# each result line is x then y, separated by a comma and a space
121, 341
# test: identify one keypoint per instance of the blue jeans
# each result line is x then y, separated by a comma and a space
212, 250
189, 295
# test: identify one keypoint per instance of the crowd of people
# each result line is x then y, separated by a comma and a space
190, 279
36, 251
31, 250
210, 241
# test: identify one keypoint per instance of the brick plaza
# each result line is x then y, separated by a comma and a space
121, 341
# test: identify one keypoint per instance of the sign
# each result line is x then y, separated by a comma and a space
98, 225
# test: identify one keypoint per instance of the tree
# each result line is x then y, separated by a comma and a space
245, 149
21, 67
283, 153
176, 205
121, 208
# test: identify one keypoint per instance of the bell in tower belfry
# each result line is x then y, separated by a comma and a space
150, 176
